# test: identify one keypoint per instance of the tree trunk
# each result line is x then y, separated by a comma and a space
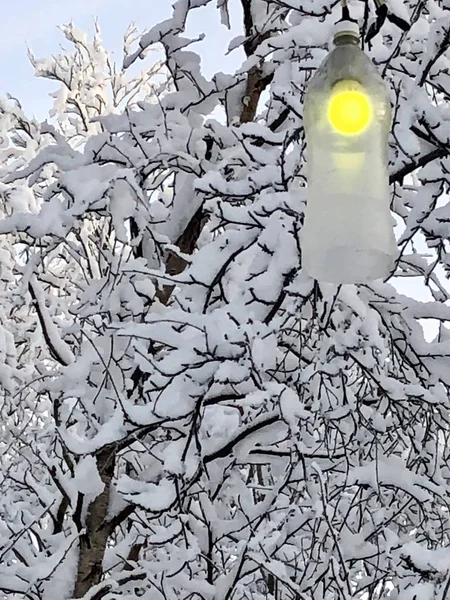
93, 543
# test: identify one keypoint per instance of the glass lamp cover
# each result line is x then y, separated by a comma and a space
348, 233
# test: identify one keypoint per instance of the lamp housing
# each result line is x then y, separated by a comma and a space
348, 234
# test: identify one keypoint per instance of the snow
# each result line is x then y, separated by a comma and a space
87, 478
122, 204
58, 572
109, 433
62, 349
392, 471
256, 421
426, 559
236, 42
424, 591
153, 497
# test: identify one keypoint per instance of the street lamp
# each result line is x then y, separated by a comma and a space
347, 235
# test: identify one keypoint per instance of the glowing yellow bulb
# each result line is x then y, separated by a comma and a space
349, 110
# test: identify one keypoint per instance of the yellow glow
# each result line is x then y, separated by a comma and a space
349, 110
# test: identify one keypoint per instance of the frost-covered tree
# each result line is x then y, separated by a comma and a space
184, 413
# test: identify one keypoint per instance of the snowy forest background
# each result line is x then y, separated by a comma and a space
184, 413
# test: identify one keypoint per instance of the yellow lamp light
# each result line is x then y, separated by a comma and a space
349, 108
